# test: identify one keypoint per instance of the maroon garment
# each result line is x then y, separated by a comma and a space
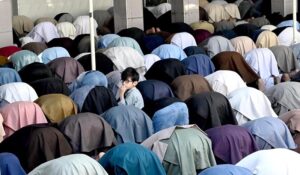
8, 50
201, 35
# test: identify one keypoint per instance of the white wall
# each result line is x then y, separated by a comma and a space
49, 8
5, 23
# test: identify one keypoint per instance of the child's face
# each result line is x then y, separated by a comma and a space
128, 83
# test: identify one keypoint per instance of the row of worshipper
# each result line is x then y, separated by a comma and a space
72, 147
196, 103
157, 21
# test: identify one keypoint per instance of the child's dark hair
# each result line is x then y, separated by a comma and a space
130, 72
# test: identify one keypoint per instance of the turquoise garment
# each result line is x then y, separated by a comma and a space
131, 159
126, 42
22, 58
226, 170
8, 75
174, 114
105, 40
89, 78
166, 51
133, 97
53, 53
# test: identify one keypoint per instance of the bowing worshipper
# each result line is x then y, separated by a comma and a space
74, 164
64, 17
56, 107
291, 119
18, 91
268, 27
36, 144
259, 21
35, 47
105, 40
22, 25
9, 75
4, 61
186, 86
82, 43
66, 29
10, 164
202, 35
174, 114
45, 19
266, 39
82, 26
125, 42
35, 71
150, 22
66, 43
103, 63
20, 114
25, 40
194, 50
166, 70
274, 161
95, 99
226, 169
131, 158
166, 51
150, 59
217, 44
285, 38
2, 132
89, 78
123, 57
153, 90
223, 25
263, 62
88, 133
151, 42
66, 68
287, 62
130, 123
53, 53
216, 11
129, 94
114, 82
243, 44
270, 132
135, 33
231, 143
222, 81
182, 149
284, 97
198, 64
9, 50
50, 86
183, 40
258, 105
210, 109
245, 30
44, 32
161, 103
235, 62
296, 51
22, 58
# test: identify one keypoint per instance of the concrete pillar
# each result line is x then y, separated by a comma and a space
185, 11
6, 36
285, 7
128, 13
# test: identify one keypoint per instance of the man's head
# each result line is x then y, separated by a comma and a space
130, 77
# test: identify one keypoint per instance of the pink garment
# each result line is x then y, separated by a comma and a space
20, 114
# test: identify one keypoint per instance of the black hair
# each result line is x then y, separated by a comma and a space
130, 72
